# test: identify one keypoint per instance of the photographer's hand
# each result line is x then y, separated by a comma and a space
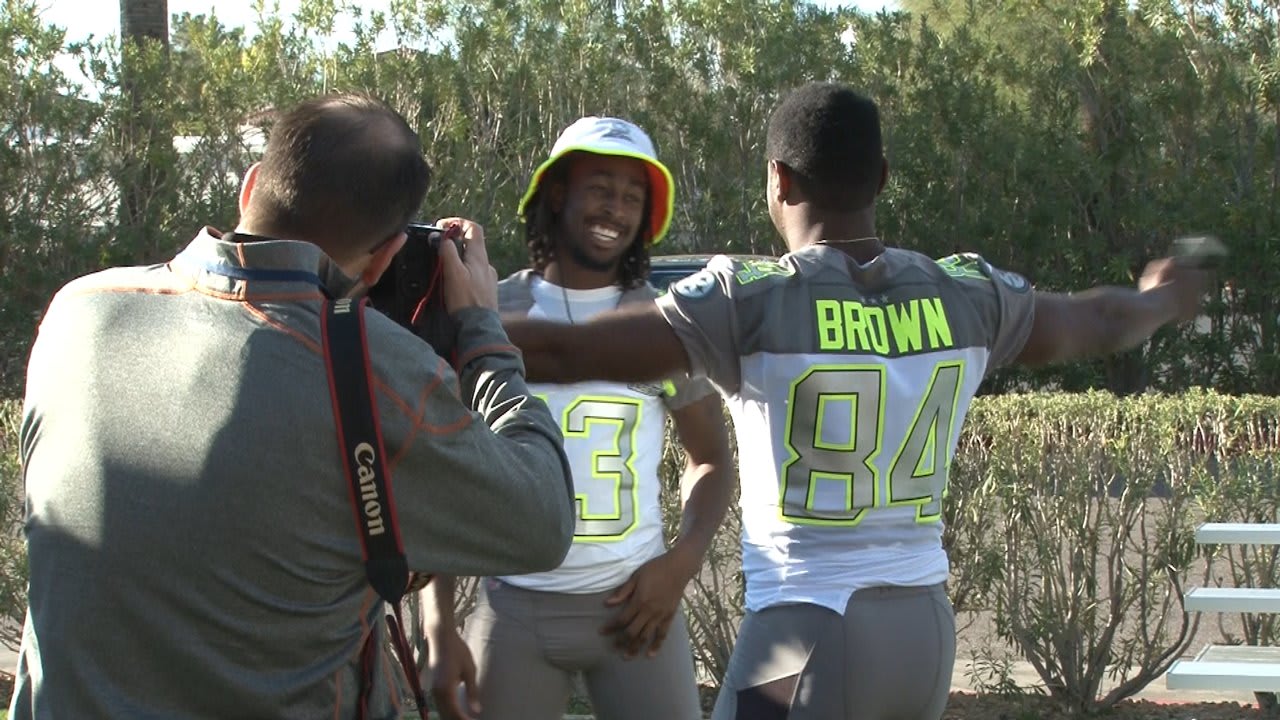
471, 282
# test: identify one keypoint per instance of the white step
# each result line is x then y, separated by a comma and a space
1244, 668
1234, 600
1238, 534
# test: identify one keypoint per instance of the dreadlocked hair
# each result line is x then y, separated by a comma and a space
539, 219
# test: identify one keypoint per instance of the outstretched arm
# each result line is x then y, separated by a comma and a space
632, 344
1105, 320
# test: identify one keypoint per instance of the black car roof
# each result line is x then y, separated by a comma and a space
660, 260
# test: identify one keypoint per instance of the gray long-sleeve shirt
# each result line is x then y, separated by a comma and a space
193, 548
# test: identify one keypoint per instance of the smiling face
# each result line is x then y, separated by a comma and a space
600, 210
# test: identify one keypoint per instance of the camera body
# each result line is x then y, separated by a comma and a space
411, 291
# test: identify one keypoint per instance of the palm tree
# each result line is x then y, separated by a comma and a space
145, 19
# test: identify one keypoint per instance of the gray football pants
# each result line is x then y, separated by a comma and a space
889, 657
529, 644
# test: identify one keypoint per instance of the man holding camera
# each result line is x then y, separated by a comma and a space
189, 520
611, 611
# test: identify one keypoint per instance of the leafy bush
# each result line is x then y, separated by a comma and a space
13, 553
1070, 518
1093, 509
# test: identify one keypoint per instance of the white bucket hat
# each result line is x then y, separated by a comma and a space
613, 136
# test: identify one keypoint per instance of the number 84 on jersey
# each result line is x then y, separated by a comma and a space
841, 463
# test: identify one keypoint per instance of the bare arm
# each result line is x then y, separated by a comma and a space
1105, 320
650, 598
633, 344
449, 661
707, 483
437, 606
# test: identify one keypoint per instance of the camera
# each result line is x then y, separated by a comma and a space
411, 291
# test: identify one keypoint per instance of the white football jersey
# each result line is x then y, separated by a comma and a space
613, 438
848, 386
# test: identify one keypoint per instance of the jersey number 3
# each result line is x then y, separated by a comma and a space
613, 472
834, 481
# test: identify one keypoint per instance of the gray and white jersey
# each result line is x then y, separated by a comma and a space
613, 437
848, 386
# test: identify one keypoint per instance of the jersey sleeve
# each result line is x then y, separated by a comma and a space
515, 293
1004, 297
1016, 312
700, 310
679, 393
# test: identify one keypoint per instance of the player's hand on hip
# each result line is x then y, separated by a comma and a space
647, 603
469, 280
452, 675
1181, 285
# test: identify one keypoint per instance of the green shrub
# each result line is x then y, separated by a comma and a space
13, 553
1070, 518
1091, 507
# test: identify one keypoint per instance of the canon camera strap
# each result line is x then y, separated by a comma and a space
346, 355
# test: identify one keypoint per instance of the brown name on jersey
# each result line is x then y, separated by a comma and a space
894, 329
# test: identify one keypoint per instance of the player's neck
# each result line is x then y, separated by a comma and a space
576, 277
854, 235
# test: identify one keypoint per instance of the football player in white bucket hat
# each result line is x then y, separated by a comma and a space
611, 610
600, 147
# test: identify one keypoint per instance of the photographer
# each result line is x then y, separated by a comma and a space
190, 529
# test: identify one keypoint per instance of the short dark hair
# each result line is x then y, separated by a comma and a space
829, 136
342, 168
539, 219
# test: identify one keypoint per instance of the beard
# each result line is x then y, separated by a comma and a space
582, 258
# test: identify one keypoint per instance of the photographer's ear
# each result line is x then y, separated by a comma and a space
381, 260
246, 185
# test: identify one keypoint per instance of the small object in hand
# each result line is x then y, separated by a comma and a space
1199, 251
